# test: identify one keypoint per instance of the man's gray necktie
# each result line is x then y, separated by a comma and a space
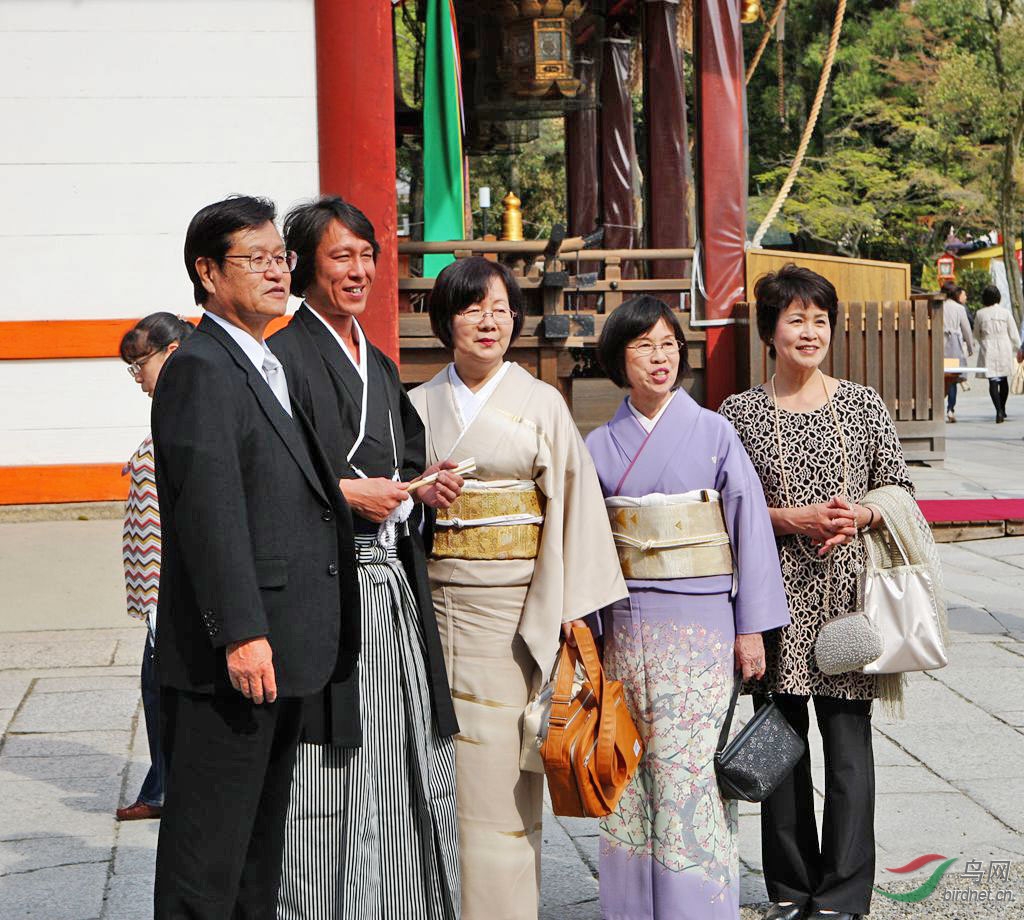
274, 372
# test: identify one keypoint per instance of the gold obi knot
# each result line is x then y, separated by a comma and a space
674, 536
490, 523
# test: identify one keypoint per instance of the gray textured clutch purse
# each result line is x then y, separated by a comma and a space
761, 756
847, 643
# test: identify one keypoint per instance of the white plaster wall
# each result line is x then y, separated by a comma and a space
121, 119
70, 411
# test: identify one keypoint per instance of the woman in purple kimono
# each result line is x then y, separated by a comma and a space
698, 553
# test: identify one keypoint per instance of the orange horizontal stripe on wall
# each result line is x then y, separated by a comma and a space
44, 339
82, 482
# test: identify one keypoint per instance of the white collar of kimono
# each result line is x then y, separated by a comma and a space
360, 367
388, 529
467, 403
649, 423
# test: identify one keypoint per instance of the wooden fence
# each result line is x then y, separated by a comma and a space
893, 346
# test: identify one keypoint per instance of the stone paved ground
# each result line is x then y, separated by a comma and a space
73, 742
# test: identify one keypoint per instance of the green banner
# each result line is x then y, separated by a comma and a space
443, 188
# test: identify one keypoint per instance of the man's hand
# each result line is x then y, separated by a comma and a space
251, 669
750, 655
373, 499
444, 490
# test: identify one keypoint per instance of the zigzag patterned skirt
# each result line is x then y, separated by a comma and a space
371, 832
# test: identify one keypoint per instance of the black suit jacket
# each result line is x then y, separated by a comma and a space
310, 356
256, 537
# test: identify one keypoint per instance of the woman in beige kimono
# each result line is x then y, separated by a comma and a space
526, 549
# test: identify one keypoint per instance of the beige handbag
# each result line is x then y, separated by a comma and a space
900, 601
1017, 381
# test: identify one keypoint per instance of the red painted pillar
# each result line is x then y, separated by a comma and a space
668, 162
722, 168
356, 127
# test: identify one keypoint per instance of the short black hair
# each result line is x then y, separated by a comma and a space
153, 333
305, 226
990, 295
630, 321
953, 292
209, 232
465, 282
775, 291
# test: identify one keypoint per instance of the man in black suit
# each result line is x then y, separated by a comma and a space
257, 576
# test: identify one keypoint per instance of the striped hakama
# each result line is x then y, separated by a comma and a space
371, 832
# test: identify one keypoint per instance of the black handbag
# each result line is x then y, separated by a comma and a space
762, 754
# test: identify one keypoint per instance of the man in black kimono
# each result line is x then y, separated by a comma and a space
374, 779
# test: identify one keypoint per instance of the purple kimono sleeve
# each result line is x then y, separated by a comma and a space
760, 602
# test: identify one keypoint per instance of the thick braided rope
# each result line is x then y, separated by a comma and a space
812, 120
768, 29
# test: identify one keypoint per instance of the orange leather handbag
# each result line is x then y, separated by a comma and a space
592, 747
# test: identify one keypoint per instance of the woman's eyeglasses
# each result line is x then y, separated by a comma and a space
646, 349
135, 368
503, 316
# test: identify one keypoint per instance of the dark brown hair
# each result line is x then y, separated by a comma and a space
775, 291
465, 282
153, 333
630, 321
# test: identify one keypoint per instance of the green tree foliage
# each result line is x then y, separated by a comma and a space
911, 140
536, 174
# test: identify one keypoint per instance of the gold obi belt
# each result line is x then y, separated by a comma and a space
671, 536
490, 520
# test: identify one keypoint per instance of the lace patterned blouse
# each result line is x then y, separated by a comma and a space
814, 470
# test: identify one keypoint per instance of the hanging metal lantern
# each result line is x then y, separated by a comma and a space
519, 56
538, 58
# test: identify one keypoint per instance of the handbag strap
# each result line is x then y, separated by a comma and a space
723, 735
603, 755
561, 697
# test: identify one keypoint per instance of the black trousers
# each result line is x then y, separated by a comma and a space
221, 839
838, 874
999, 392
152, 791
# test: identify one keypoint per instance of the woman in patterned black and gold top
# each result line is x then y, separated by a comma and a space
819, 444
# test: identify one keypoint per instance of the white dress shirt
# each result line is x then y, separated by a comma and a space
257, 352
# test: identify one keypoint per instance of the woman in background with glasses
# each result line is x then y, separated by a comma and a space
146, 348
696, 547
524, 549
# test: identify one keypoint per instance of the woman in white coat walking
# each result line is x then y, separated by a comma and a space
958, 341
997, 340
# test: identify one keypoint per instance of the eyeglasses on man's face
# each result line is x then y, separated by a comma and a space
503, 316
259, 262
135, 368
646, 349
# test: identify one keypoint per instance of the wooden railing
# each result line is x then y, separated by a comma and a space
894, 347
562, 293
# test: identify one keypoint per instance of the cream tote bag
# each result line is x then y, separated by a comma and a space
1017, 381
900, 602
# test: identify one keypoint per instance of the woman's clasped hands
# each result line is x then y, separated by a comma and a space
832, 523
